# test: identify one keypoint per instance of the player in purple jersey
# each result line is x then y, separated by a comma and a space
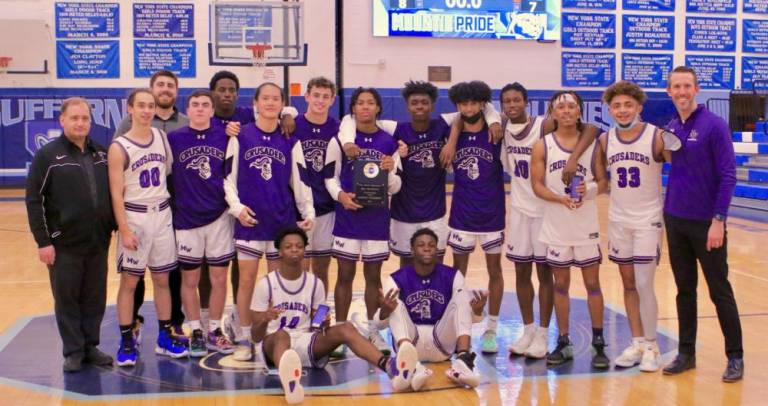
571, 234
225, 87
361, 231
427, 305
284, 310
203, 226
265, 184
138, 162
478, 209
315, 129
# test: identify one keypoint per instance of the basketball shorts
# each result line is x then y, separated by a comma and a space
463, 242
321, 236
522, 238
254, 249
303, 342
633, 246
354, 250
212, 241
564, 256
400, 234
153, 227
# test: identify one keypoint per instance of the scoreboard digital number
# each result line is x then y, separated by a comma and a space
495, 19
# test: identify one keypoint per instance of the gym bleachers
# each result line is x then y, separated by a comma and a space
751, 168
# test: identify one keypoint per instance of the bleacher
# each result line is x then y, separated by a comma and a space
751, 169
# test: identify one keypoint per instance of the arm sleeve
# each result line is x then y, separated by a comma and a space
36, 185
347, 130
389, 126
231, 164
332, 169
289, 110
260, 301
722, 149
506, 161
394, 182
491, 115
302, 193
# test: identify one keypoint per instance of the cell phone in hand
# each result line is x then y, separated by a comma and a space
320, 315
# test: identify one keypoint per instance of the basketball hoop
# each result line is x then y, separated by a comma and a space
259, 54
5, 63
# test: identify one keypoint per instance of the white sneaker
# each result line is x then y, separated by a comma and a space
522, 343
460, 373
651, 357
630, 357
290, 376
420, 376
538, 347
401, 369
243, 352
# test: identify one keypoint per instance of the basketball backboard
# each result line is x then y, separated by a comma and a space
237, 25
27, 43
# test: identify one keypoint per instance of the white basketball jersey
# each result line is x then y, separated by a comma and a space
561, 225
518, 148
296, 304
635, 180
144, 176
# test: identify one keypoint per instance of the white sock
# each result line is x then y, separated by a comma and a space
529, 328
195, 325
204, 317
637, 341
372, 329
214, 324
492, 323
245, 333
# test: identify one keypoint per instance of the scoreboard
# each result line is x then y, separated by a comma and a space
495, 19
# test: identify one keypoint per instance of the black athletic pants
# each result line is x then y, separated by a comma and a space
687, 241
79, 286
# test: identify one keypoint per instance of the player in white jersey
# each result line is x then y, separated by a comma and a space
139, 162
290, 336
634, 154
570, 228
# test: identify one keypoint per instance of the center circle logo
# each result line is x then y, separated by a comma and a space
371, 170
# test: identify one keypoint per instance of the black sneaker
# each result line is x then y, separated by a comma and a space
599, 359
197, 346
562, 353
734, 371
680, 364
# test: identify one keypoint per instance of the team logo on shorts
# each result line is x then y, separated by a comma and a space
424, 157
316, 157
202, 165
371, 170
263, 164
470, 165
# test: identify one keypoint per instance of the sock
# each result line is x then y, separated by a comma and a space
529, 328
597, 332
467, 357
492, 323
563, 338
204, 315
372, 328
637, 341
164, 325
195, 325
213, 325
649, 310
245, 334
382, 364
126, 332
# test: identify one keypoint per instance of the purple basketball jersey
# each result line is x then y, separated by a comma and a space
425, 297
243, 115
314, 140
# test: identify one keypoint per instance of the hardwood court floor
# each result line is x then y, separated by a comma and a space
26, 292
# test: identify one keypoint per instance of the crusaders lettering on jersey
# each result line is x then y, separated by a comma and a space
369, 153
200, 159
554, 166
629, 156
147, 159
514, 149
297, 306
425, 294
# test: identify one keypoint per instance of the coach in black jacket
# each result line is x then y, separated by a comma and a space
70, 215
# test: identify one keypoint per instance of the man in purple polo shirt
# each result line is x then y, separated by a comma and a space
699, 190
